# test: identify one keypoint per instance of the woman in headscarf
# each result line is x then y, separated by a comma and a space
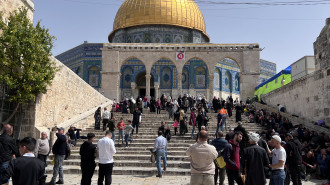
97, 117
183, 126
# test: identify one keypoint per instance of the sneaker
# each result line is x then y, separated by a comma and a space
126, 146
59, 182
160, 176
50, 183
164, 168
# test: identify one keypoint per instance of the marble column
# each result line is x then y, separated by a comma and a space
156, 90
148, 77
211, 88
133, 86
179, 79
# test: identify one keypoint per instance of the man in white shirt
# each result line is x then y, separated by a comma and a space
106, 148
278, 161
160, 147
106, 118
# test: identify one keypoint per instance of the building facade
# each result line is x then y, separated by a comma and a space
162, 48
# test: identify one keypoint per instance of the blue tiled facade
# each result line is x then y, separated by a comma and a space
267, 70
86, 61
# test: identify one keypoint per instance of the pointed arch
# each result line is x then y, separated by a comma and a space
165, 72
198, 73
94, 77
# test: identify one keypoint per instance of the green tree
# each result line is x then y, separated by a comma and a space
25, 65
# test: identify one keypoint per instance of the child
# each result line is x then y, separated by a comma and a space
128, 129
121, 127
175, 124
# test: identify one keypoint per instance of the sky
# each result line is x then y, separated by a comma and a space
285, 30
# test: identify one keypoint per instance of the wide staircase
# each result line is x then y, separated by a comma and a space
135, 160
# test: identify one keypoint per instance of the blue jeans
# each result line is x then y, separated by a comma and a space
3, 167
127, 139
224, 123
277, 177
113, 136
193, 131
160, 154
121, 134
218, 126
58, 167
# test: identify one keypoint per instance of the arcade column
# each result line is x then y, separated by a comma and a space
179, 80
148, 77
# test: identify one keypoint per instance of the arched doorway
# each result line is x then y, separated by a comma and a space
140, 81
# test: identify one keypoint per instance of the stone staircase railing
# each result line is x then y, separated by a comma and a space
295, 120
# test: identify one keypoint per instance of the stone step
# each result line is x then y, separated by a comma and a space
140, 151
135, 157
131, 163
118, 170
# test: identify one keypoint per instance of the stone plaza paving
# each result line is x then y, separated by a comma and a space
150, 180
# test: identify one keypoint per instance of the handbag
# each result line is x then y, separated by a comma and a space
220, 162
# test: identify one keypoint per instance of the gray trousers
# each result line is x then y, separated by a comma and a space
204, 179
58, 167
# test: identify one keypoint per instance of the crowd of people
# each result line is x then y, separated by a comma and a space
281, 151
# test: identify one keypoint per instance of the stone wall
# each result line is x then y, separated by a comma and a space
69, 101
309, 96
8, 6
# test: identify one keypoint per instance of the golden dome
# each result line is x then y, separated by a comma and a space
184, 13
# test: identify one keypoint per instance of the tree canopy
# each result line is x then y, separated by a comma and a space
25, 51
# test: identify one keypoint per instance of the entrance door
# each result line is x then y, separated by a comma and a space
152, 92
142, 92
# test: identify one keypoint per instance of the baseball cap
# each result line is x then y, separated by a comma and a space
60, 128
277, 138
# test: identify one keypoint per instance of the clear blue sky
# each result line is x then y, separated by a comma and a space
286, 32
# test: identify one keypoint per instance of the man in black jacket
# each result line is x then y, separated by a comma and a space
293, 159
87, 153
8, 149
253, 162
59, 152
136, 120
26, 169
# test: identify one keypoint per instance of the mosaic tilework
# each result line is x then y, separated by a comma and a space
158, 34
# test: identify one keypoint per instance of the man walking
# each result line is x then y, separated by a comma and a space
26, 170
9, 149
254, 159
202, 156
293, 159
106, 118
278, 161
160, 147
136, 120
59, 152
106, 149
231, 157
219, 143
87, 153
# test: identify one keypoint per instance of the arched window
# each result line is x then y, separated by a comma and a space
94, 76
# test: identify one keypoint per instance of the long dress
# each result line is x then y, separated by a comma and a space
97, 117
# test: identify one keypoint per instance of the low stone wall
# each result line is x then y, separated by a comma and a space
294, 120
307, 97
69, 101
